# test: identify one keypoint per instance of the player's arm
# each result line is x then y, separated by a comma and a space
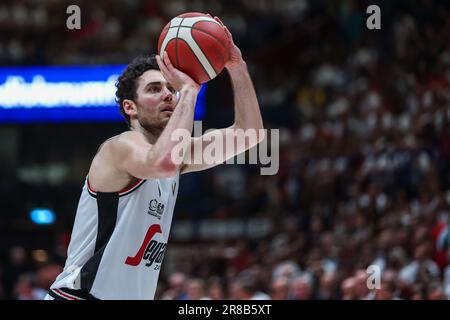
247, 119
134, 155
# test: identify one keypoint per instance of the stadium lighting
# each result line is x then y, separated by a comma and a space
42, 216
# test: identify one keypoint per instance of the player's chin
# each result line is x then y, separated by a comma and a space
164, 120
165, 116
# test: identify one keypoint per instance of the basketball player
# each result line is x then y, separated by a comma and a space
125, 211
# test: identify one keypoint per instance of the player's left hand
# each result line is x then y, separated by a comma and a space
234, 53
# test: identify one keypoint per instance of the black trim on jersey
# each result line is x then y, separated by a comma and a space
107, 204
55, 296
133, 189
91, 193
79, 294
120, 194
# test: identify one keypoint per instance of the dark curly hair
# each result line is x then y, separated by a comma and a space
127, 82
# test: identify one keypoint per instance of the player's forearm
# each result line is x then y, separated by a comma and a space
180, 121
246, 107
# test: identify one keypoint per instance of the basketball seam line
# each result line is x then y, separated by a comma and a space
204, 53
223, 46
176, 44
210, 34
198, 60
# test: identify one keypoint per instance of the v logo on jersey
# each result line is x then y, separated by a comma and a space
174, 185
152, 230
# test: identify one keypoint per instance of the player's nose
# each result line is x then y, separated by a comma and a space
167, 95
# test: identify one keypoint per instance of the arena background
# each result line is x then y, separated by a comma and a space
364, 175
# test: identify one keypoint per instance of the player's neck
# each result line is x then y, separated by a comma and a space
150, 134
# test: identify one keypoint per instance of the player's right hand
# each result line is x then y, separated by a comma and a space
178, 79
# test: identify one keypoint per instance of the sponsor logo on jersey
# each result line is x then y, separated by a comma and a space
155, 208
151, 250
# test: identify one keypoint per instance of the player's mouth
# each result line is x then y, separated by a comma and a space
167, 109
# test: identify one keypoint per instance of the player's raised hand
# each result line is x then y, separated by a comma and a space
175, 77
234, 53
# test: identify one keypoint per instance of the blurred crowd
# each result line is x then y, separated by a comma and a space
363, 187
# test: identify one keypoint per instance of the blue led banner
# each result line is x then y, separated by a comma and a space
64, 94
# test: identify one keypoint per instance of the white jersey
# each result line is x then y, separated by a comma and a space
118, 242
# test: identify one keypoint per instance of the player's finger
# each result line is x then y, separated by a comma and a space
227, 31
159, 62
229, 35
224, 27
167, 62
162, 66
218, 20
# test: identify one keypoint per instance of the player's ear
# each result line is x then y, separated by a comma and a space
129, 107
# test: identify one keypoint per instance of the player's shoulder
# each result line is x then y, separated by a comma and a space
130, 134
116, 141
127, 138
126, 141
119, 146
123, 137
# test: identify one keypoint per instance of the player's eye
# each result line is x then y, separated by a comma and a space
172, 90
154, 89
